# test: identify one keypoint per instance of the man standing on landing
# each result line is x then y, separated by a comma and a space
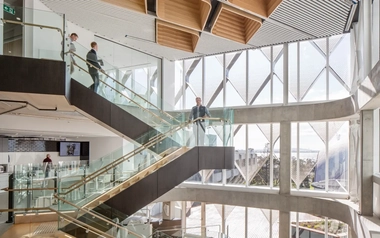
199, 126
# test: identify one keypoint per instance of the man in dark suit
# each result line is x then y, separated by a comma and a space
94, 66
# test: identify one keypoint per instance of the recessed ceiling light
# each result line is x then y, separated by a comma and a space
18, 18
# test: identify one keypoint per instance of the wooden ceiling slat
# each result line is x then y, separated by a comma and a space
238, 29
187, 13
135, 5
230, 16
261, 8
232, 36
175, 36
256, 6
234, 24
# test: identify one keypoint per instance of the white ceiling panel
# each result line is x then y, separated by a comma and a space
271, 34
318, 18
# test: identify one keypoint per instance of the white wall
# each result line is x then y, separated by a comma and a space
99, 147
38, 157
85, 37
102, 146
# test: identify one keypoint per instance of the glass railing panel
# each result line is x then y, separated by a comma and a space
102, 219
141, 158
33, 185
38, 186
136, 159
33, 33
138, 71
208, 231
77, 224
125, 93
111, 213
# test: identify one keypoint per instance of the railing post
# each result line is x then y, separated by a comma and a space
10, 197
1, 29
63, 36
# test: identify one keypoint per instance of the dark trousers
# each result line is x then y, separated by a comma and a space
95, 78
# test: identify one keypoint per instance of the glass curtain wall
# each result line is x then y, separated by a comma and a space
305, 225
250, 222
318, 71
319, 158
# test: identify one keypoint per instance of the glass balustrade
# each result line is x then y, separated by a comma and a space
35, 185
138, 71
78, 222
105, 219
124, 92
33, 33
207, 231
113, 169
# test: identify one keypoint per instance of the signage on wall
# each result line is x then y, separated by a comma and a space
9, 9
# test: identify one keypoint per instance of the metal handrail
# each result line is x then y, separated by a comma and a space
122, 159
96, 215
186, 228
125, 96
131, 154
32, 24
25, 189
116, 81
81, 224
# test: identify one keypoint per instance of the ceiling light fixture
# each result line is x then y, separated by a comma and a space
138, 38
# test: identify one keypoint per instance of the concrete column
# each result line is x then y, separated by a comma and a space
284, 225
354, 155
285, 79
246, 222
1, 28
285, 150
203, 219
168, 210
285, 185
224, 219
367, 39
375, 32
366, 163
183, 217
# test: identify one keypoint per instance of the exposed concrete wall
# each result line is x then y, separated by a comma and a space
301, 112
